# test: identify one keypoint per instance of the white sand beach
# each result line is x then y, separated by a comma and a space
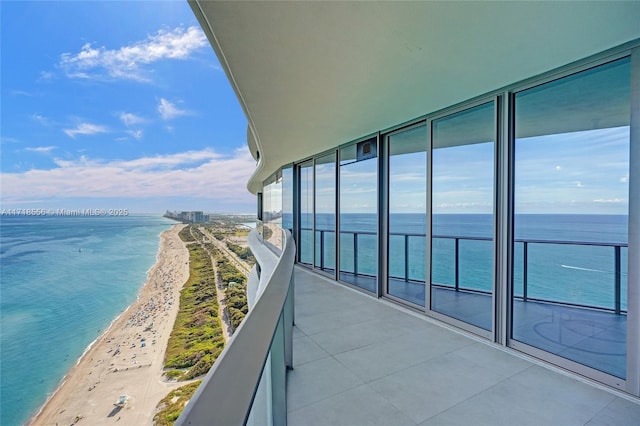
128, 358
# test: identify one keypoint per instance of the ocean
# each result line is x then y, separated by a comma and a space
581, 273
63, 280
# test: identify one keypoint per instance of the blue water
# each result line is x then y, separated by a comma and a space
63, 280
572, 273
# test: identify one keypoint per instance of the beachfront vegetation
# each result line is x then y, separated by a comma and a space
235, 289
242, 232
185, 235
171, 406
196, 339
243, 253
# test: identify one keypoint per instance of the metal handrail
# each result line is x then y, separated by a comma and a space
617, 308
227, 393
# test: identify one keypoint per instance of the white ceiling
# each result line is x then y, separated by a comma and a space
313, 75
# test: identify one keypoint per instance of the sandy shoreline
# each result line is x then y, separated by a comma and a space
127, 357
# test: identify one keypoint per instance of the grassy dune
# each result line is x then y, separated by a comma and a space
196, 339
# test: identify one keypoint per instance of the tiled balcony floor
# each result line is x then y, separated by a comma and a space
359, 361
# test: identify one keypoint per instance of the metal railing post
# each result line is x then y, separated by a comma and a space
406, 257
525, 268
278, 378
355, 253
617, 279
288, 313
322, 250
457, 265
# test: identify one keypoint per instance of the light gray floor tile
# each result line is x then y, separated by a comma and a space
389, 356
352, 336
317, 380
536, 396
434, 386
416, 371
297, 332
619, 413
499, 362
306, 350
355, 407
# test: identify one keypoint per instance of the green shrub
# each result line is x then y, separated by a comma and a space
168, 409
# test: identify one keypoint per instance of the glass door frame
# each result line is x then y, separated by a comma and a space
631, 384
380, 236
336, 197
492, 334
385, 211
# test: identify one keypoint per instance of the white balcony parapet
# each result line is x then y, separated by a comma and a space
247, 382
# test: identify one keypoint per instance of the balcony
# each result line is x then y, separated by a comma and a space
359, 360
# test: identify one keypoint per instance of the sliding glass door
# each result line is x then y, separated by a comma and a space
359, 214
305, 236
407, 170
325, 202
571, 219
462, 215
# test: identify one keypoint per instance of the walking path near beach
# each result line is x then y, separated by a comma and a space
242, 266
128, 358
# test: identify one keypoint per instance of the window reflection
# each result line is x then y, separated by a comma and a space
407, 214
463, 164
359, 214
325, 201
305, 243
571, 217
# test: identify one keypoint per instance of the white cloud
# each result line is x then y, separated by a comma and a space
45, 76
6, 139
136, 134
41, 149
169, 110
203, 174
128, 62
624, 179
40, 119
558, 168
85, 129
609, 201
21, 93
130, 119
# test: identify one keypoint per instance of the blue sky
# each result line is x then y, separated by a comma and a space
117, 105
124, 105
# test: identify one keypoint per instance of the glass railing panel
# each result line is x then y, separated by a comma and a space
358, 259
325, 250
247, 383
305, 246
347, 257
624, 277
476, 265
261, 412
443, 263
581, 275
397, 257
368, 254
